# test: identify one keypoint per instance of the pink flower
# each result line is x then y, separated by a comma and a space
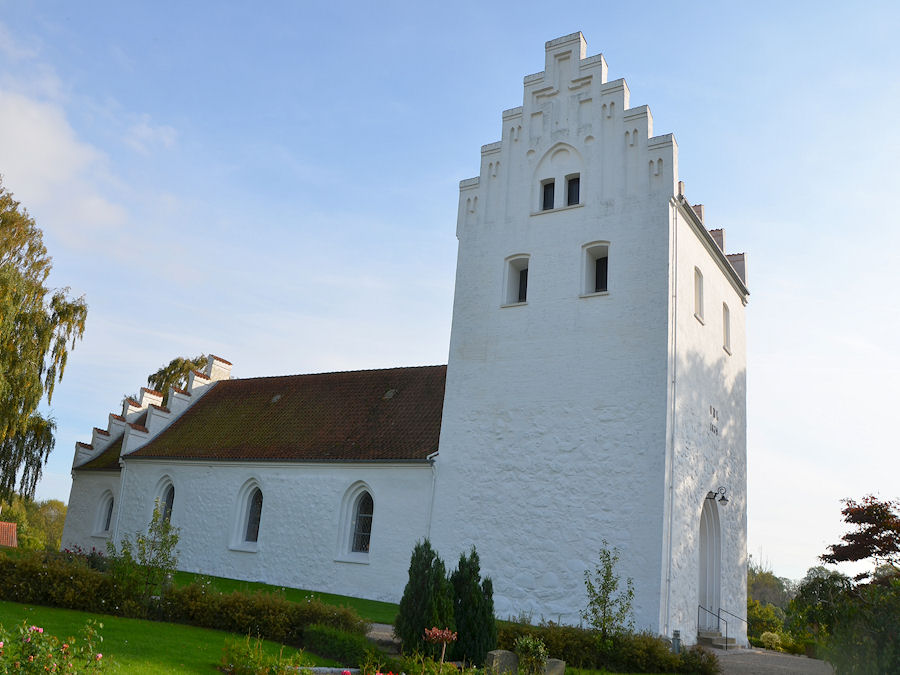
343, 672
99, 656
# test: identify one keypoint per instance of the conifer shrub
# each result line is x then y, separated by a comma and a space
427, 600
473, 611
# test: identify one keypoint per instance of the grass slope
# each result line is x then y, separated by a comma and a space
137, 646
371, 610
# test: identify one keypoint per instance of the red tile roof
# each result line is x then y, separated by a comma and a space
366, 415
221, 360
151, 391
8, 536
108, 460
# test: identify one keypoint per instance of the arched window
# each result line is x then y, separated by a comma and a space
247, 517
103, 522
362, 523
254, 512
107, 519
167, 502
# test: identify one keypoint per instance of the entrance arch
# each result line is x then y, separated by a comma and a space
710, 582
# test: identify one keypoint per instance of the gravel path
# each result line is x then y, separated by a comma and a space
762, 662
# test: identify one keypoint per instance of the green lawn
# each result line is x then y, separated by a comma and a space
371, 610
137, 646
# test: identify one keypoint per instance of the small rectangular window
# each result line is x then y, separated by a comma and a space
547, 195
596, 268
573, 191
523, 284
726, 328
601, 266
698, 294
516, 280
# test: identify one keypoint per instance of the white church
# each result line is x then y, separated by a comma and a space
595, 391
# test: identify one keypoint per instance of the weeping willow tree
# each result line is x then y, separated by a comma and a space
38, 327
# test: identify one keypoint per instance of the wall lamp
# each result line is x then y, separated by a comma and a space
720, 493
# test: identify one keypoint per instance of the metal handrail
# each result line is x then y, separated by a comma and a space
722, 609
719, 621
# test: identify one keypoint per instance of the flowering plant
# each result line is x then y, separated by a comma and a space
444, 636
31, 650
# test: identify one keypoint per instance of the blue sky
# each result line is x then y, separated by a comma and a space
277, 185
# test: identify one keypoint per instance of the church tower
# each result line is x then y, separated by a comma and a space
596, 378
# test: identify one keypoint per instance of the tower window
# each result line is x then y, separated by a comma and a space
726, 328
548, 189
596, 268
516, 280
698, 295
573, 190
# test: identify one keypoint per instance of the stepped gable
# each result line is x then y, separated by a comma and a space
367, 415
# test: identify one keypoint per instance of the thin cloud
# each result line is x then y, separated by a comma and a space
144, 137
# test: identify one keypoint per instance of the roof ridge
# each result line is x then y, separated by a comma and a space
330, 372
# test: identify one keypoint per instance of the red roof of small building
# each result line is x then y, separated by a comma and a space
367, 415
8, 535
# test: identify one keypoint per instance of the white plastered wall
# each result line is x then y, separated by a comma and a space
83, 512
709, 431
300, 527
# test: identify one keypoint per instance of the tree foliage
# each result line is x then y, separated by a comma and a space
473, 610
766, 588
39, 524
427, 600
38, 327
174, 374
609, 608
876, 534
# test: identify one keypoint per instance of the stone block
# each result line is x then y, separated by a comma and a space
555, 667
501, 661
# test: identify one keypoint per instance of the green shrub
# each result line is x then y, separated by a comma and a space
49, 580
350, 649
643, 653
246, 657
427, 600
770, 640
473, 611
265, 614
532, 653
698, 661
630, 652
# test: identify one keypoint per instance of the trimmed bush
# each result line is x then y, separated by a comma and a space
625, 652
473, 611
427, 600
770, 640
56, 581
348, 648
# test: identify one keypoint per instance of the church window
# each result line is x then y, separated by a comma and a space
573, 190
104, 515
596, 268
548, 188
167, 502
354, 535
726, 328
248, 515
254, 512
698, 295
362, 528
516, 292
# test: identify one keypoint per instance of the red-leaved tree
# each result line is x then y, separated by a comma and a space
876, 534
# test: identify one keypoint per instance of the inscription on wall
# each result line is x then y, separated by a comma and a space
713, 421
